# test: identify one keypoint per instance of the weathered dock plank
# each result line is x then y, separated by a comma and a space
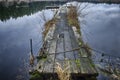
50, 58
70, 55
68, 46
87, 67
60, 52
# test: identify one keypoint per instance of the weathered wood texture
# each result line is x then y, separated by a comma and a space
60, 50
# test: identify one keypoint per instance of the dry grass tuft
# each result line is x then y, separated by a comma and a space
72, 17
63, 73
49, 24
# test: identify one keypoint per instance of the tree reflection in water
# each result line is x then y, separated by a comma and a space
18, 10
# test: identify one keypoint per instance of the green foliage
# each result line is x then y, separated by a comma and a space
35, 75
77, 61
41, 57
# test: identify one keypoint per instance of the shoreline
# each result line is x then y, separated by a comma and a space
22, 2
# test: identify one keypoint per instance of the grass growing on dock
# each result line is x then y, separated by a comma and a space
63, 73
77, 61
72, 17
49, 24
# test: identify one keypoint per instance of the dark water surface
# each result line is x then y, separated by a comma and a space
14, 44
102, 28
101, 31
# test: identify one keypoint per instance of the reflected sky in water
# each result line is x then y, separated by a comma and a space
102, 28
101, 31
14, 42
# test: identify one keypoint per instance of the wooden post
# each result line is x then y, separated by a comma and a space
31, 54
31, 50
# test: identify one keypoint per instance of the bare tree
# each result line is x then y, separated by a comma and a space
81, 8
43, 16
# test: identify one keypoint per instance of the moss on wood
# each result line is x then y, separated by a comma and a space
35, 75
77, 61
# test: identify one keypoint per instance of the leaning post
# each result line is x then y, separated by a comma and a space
31, 54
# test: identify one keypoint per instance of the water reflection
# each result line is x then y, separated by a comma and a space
101, 32
14, 43
103, 28
19, 10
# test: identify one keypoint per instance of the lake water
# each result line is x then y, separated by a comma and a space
101, 30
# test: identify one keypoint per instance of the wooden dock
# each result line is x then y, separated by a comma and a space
51, 7
62, 46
